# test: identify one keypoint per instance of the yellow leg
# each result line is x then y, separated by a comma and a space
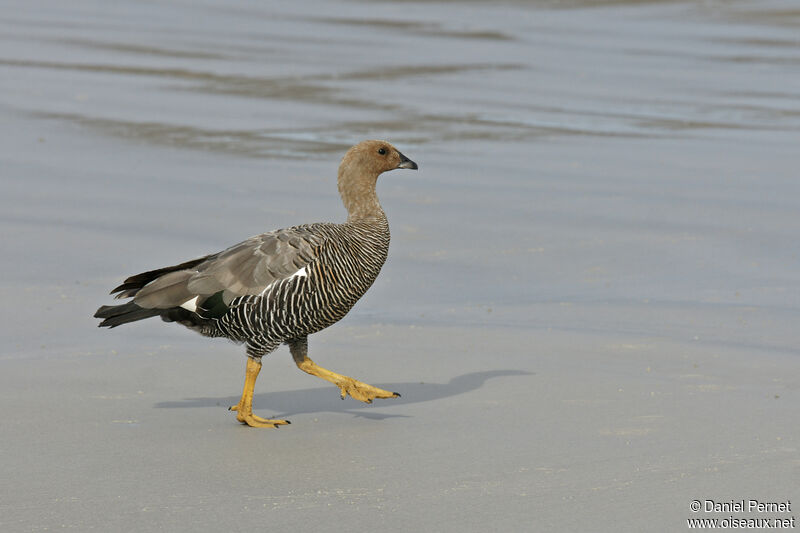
347, 385
244, 410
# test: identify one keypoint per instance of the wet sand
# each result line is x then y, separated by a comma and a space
591, 300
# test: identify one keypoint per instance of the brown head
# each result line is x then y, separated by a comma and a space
359, 171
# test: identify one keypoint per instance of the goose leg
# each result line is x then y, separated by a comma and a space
244, 409
347, 385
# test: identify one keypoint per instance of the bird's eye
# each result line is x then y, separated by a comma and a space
382, 151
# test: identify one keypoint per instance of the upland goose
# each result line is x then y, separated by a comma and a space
278, 287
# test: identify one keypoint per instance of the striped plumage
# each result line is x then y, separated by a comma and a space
281, 286
346, 263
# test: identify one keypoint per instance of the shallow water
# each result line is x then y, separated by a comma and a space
540, 131
599, 151
622, 172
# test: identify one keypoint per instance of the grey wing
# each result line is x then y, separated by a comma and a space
247, 268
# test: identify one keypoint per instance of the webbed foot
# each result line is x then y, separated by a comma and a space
246, 416
362, 391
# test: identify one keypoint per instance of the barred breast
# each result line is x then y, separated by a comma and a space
316, 296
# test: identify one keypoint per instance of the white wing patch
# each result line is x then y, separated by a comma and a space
302, 273
190, 305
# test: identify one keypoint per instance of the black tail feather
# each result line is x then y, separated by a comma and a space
116, 315
132, 285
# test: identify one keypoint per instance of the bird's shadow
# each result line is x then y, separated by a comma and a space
323, 399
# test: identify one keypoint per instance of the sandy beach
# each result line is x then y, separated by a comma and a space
590, 305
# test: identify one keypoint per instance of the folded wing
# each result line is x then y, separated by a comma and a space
248, 268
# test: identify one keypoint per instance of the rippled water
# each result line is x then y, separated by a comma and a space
293, 80
570, 151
